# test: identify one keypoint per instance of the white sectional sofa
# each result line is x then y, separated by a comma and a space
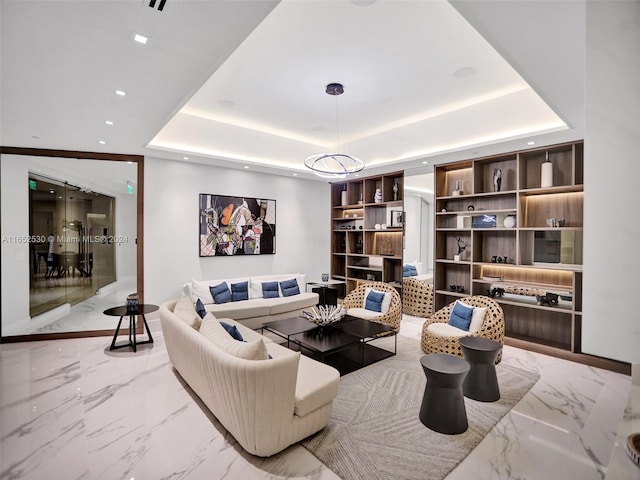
267, 404
256, 310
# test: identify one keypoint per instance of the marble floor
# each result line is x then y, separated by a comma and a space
71, 409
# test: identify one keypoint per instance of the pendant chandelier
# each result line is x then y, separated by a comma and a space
334, 165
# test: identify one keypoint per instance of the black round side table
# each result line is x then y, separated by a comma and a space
442, 408
482, 382
122, 311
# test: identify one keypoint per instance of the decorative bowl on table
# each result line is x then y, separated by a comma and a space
323, 315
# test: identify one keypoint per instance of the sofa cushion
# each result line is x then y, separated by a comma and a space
373, 301
290, 304
255, 283
240, 291
248, 334
289, 287
200, 308
200, 290
409, 271
221, 293
461, 316
214, 332
386, 301
185, 310
316, 385
477, 318
443, 329
240, 310
363, 313
233, 331
270, 290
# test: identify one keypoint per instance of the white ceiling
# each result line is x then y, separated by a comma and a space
242, 83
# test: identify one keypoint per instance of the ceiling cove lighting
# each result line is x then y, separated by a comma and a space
334, 165
121, 93
108, 122
102, 142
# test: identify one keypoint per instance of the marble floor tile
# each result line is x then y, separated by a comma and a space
72, 409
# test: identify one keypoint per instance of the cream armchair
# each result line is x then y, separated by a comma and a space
355, 300
492, 327
417, 297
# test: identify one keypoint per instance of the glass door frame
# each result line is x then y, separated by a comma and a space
116, 157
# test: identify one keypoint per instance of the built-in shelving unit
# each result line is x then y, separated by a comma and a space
367, 239
509, 240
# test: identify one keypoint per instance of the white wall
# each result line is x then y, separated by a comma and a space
611, 324
171, 198
419, 229
14, 194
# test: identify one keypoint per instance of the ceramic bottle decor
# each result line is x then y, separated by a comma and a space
395, 191
344, 196
497, 179
377, 198
546, 173
458, 191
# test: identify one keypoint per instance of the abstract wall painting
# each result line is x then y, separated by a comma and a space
232, 226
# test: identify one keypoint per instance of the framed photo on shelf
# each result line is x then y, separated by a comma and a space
397, 218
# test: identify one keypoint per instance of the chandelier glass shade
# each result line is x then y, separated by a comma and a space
334, 165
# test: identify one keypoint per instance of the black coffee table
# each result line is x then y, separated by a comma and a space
344, 345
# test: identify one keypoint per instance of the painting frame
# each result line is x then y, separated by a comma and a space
230, 225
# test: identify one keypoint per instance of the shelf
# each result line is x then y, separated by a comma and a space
551, 190
360, 267
521, 196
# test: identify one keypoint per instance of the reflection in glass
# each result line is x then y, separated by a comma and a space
72, 253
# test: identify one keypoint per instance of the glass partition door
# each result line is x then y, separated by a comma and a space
72, 248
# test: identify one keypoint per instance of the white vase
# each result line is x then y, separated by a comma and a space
546, 173
344, 198
378, 196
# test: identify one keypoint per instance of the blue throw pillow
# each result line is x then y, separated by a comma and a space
374, 301
220, 293
239, 291
200, 308
270, 290
461, 316
233, 331
290, 287
409, 271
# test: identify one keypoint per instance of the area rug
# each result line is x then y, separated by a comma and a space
374, 431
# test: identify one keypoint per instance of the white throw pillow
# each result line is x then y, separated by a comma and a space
386, 301
186, 311
213, 331
200, 290
477, 319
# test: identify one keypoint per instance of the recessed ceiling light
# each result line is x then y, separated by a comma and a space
425, 162
226, 103
52, 191
464, 72
129, 163
140, 38
531, 143
108, 122
246, 166
121, 93
102, 142
185, 158
295, 174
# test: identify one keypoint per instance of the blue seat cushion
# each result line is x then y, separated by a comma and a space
461, 316
220, 293
409, 271
239, 291
374, 300
290, 287
270, 290
200, 308
233, 331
